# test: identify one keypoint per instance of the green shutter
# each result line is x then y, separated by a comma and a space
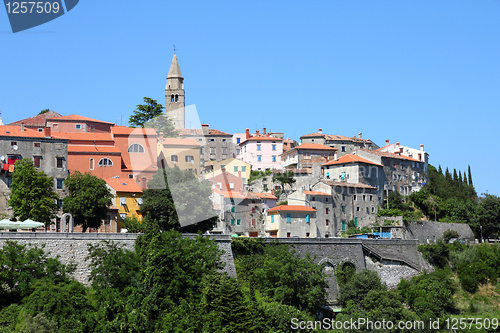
343, 225
355, 221
238, 222
272, 218
232, 221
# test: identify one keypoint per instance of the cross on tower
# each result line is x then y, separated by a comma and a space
174, 48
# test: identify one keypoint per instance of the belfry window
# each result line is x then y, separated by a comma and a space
172, 98
176, 98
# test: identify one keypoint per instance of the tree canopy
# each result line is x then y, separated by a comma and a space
32, 195
88, 199
176, 199
145, 112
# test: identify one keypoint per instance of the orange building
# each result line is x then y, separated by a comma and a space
78, 124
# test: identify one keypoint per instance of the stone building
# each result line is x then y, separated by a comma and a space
418, 154
48, 152
307, 156
343, 144
291, 221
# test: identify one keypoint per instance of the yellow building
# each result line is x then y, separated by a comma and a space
185, 153
127, 198
232, 165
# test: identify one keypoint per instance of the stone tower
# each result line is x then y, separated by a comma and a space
174, 95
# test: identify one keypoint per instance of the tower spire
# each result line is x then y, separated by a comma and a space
174, 95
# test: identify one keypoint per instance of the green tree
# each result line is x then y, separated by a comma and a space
470, 176
284, 178
32, 195
22, 266
175, 198
278, 273
88, 199
150, 114
44, 111
488, 217
162, 124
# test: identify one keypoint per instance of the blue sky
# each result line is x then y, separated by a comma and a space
408, 71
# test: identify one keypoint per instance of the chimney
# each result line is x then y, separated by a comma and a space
22, 126
397, 144
204, 129
360, 135
47, 132
320, 130
335, 156
400, 150
422, 147
248, 133
257, 133
264, 131
386, 142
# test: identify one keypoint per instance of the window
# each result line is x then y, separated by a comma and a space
105, 162
238, 221
259, 158
238, 140
232, 221
343, 197
232, 209
59, 162
272, 218
123, 216
172, 98
13, 143
243, 169
308, 218
373, 209
288, 218
176, 97
78, 126
222, 167
59, 183
274, 147
327, 222
9, 182
367, 210
326, 199
55, 125
357, 209
92, 127
288, 234
212, 150
343, 148
37, 161
91, 164
274, 158
343, 208
219, 185
224, 150
307, 235
189, 158
327, 210
313, 198
123, 201
307, 156
259, 148
59, 203
364, 197
253, 210
231, 186
36, 144
136, 148
238, 151
371, 197
173, 158
235, 169
343, 225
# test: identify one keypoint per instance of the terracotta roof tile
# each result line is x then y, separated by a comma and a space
85, 136
261, 137
123, 130
350, 159
317, 134
235, 194
124, 185
217, 132
93, 149
79, 118
315, 146
291, 208
13, 130
391, 155
38, 120
266, 196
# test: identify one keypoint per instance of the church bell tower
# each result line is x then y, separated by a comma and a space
174, 95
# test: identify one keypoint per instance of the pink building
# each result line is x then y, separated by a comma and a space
262, 151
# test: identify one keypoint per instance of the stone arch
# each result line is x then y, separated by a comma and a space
67, 227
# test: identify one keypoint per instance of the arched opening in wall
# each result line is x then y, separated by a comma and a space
176, 98
345, 272
172, 98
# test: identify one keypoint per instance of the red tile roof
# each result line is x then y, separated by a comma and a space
13, 130
85, 136
79, 118
261, 137
123, 130
315, 146
124, 185
93, 149
317, 193
217, 132
317, 134
391, 155
38, 120
291, 208
179, 142
266, 196
235, 194
350, 159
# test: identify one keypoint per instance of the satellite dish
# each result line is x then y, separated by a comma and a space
14, 147
192, 161
2, 158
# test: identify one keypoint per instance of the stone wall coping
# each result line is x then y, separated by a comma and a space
343, 241
90, 236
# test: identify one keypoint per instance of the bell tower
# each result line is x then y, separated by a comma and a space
174, 95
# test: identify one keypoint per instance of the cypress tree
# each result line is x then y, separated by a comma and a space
460, 177
440, 170
470, 176
447, 175
455, 176
465, 178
